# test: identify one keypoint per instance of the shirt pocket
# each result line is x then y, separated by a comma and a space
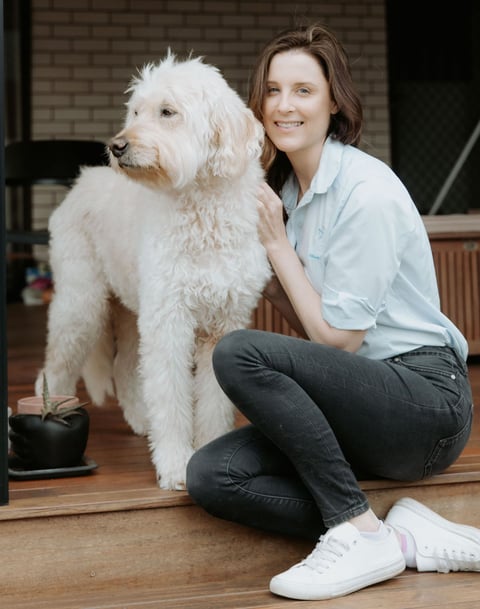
317, 245
314, 259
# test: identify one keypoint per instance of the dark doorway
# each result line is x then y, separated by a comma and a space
434, 67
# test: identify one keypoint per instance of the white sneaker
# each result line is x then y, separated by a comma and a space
343, 561
442, 545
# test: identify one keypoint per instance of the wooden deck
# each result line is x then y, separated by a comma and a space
105, 540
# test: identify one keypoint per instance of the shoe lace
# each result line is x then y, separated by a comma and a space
327, 551
448, 559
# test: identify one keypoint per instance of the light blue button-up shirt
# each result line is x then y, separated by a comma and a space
365, 249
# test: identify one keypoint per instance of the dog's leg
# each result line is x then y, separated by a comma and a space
127, 380
166, 354
97, 371
72, 333
78, 311
214, 413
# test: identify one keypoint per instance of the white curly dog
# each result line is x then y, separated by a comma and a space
156, 257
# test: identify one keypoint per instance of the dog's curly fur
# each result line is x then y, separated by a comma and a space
157, 257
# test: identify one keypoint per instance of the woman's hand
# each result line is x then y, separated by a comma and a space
271, 228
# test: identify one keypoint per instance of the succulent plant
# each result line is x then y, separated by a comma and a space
52, 408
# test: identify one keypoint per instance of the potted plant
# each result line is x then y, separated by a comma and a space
49, 432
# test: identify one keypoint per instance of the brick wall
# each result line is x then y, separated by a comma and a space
85, 52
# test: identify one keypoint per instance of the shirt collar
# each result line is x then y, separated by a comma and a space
329, 167
327, 171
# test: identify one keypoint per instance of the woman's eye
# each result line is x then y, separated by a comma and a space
272, 90
304, 91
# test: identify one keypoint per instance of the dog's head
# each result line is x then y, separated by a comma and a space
184, 122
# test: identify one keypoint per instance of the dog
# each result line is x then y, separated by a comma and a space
156, 257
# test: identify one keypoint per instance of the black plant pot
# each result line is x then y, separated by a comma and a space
49, 444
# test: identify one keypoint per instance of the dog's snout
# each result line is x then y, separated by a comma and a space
118, 146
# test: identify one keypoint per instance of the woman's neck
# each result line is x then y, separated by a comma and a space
304, 177
305, 165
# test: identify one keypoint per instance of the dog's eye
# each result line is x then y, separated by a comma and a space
167, 112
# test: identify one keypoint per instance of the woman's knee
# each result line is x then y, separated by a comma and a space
225, 357
227, 349
234, 349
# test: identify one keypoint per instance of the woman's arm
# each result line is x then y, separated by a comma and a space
304, 299
275, 294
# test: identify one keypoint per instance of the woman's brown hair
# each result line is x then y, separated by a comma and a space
320, 43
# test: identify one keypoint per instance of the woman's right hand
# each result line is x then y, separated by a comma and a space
271, 227
298, 300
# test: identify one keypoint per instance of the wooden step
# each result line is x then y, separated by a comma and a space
125, 480
409, 590
81, 539
178, 557
113, 540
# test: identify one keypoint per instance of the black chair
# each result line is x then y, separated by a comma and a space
50, 162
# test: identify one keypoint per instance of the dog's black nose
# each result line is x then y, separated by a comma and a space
118, 146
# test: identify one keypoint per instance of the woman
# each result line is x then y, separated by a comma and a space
380, 386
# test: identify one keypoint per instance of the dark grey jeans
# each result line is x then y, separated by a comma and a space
321, 419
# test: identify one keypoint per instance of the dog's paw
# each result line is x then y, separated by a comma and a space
172, 481
170, 484
171, 473
171, 467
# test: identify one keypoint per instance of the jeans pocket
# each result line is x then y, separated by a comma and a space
440, 368
447, 450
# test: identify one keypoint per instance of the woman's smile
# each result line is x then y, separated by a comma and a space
288, 125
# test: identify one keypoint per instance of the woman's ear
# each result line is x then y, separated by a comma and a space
334, 109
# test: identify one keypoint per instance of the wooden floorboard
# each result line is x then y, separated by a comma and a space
125, 477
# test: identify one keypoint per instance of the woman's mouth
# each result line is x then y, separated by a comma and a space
289, 124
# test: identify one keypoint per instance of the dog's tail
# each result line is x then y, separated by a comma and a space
98, 369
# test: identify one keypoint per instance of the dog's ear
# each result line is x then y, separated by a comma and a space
237, 138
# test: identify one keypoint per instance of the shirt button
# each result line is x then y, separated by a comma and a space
452, 376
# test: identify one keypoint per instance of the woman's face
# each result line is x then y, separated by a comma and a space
297, 105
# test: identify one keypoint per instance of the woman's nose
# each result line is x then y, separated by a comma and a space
284, 103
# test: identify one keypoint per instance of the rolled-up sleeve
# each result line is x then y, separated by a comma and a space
346, 311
